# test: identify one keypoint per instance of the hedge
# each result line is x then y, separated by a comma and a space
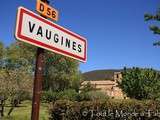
72, 95
105, 110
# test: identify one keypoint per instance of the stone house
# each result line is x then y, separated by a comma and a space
108, 86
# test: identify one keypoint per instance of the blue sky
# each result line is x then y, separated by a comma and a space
115, 29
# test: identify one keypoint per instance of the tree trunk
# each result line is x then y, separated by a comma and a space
2, 103
10, 111
2, 110
14, 104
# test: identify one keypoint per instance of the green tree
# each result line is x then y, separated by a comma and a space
60, 72
1, 50
154, 28
15, 86
22, 53
15, 74
141, 83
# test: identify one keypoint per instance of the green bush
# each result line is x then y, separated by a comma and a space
49, 96
141, 83
97, 95
92, 95
69, 94
106, 110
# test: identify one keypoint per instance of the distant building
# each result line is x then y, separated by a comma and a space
108, 86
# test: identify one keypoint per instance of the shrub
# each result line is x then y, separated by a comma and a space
97, 95
72, 95
106, 110
49, 96
69, 94
141, 83
92, 95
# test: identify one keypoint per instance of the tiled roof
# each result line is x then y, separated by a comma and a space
99, 75
100, 82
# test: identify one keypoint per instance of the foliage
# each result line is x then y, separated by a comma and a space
50, 96
97, 95
141, 83
15, 86
69, 94
87, 87
17, 64
88, 92
60, 73
17, 71
16, 74
1, 50
92, 96
106, 110
154, 28
72, 95
21, 50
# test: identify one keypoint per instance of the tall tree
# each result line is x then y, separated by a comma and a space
141, 83
20, 50
154, 28
15, 77
60, 72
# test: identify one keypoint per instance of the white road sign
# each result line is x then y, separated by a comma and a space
38, 31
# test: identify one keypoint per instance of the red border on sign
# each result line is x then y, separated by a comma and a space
19, 35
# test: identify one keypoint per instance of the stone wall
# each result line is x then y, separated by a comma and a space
110, 87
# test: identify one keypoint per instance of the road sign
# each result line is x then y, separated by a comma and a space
38, 31
46, 10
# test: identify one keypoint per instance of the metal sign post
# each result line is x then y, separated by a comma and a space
38, 82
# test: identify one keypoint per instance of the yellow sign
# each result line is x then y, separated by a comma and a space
47, 10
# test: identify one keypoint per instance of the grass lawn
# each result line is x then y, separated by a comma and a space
23, 112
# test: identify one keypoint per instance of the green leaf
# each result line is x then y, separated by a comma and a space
148, 17
155, 29
156, 43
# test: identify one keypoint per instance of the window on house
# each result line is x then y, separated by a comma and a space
117, 76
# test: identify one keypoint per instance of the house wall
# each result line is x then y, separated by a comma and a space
110, 87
